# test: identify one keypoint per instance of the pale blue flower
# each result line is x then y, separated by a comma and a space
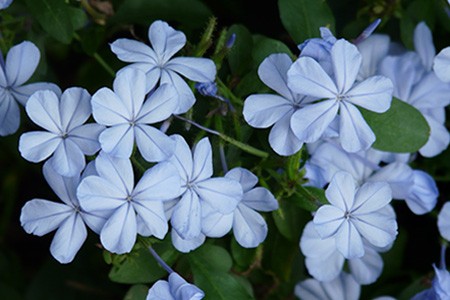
444, 221
67, 138
324, 262
249, 227
127, 114
5, 3
265, 110
199, 188
129, 209
159, 66
320, 48
343, 287
21, 62
356, 215
41, 216
340, 93
373, 50
176, 288
186, 245
416, 187
441, 65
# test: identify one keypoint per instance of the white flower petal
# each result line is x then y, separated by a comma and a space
215, 224
9, 113
133, 51
64, 187
373, 50
86, 137
371, 197
366, 269
249, 227
23, 93
374, 93
442, 65
153, 218
341, 191
202, 168
68, 239
75, 108
221, 193
160, 291
273, 72
398, 175
108, 109
99, 196
186, 97
68, 159
40, 216
348, 241
118, 171
43, 109
194, 68
21, 62
118, 235
346, 61
443, 221
355, 134
130, 88
182, 158
186, 216
186, 246
439, 138
423, 44
153, 144
159, 106
423, 195
263, 110
307, 77
282, 139
310, 122
328, 220
118, 140
377, 228
260, 199
165, 40
36, 146
246, 178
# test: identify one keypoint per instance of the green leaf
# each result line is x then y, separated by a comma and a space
190, 13
243, 257
264, 46
78, 17
303, 18
137, 292
240, 56
54, 16
402, 129
210, 265
290, 220
139, 266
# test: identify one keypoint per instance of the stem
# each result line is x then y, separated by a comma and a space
161, 262
137, 164
99, 59
227, 92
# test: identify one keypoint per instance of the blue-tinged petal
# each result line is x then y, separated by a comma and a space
312, 245
344, 287
165, 40
86, 137
444, 221
430, 93
182, 158
373, 50
346, 61
423, 194
376, 228
439, 138
341, 191
36, 146
186, 216
153, 144
246, 178
68, 239
68, 159
310, 122
22, 93
186, 246
249, 227
349, 241
263, 110
260, 199
370, 197
118, 140
181, 289
221, 193
43, 109
108, 109
374, 93
99, 196
75, 108
64, 187
273, 72
118, 235
398, 175
160, 291
442, 65
307, 77
355, 134
133, 51
194, 68
94, 221
9, 113
202, 158
282, 139
215, 224
366, 269
152, 217
423, 44
130, 88
325, 268
21, 62
186, 97
159, 183
3, 80
118, 171
159, 105
40, 216
328, 220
